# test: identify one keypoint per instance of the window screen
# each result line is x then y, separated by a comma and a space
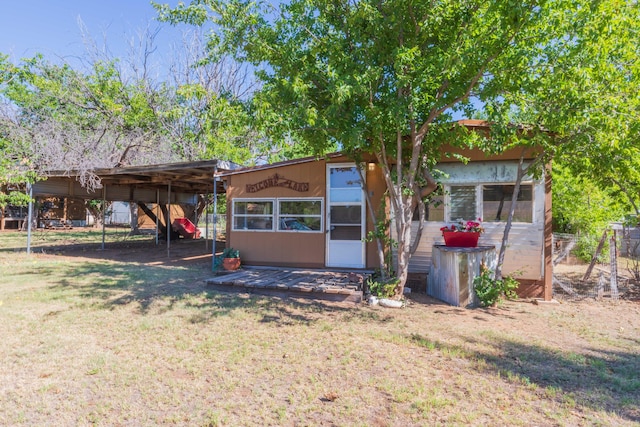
462, 202
496, 203
299, 215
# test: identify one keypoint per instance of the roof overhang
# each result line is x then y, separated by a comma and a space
186, 178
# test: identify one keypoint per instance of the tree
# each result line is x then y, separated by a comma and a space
116, 112
383, 77
15, 169
581, 106
580, 206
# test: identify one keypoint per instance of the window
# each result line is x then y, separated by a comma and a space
462, 202
253, 215
496, 203
287, 215
434, 210
345, 185
300, 215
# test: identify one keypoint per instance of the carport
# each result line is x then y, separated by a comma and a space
161, 184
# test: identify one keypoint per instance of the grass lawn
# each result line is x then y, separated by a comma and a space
90, 337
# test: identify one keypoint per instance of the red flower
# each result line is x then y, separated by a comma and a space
465, 227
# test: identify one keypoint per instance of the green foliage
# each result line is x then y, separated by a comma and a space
230, 253
584, 111
580, 206
364, 76
383, 289
586, 246
62, 118
226, 253
491, 291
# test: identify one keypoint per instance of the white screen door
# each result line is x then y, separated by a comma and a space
345, 217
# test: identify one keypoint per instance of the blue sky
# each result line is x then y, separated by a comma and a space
51, 27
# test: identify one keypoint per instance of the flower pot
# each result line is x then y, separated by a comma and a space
461, 239
231, 264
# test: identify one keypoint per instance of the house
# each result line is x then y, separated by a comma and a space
483, 188
313, 213
303, 213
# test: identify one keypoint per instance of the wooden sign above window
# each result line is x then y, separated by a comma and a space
278, 181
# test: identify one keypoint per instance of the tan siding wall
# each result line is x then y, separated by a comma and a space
376, 187
278, 248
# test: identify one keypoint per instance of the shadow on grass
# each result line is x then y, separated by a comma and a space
161, 288
597, 379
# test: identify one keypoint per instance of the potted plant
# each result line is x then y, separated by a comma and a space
230, 259
462, 234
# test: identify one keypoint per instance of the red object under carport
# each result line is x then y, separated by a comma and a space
186, 228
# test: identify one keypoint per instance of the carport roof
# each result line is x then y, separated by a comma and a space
187, 177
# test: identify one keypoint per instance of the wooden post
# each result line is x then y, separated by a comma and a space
613, 258
215, 217
169, 220
104, 212
29, 218
548, 237
595, 256
157, 214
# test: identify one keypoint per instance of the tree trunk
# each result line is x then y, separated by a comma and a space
514, 200
135, 226
380, 249
96, 210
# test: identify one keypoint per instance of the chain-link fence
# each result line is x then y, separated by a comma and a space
206, 226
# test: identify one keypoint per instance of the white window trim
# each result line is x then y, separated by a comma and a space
275, 216
248, 200
479, 200
301, 199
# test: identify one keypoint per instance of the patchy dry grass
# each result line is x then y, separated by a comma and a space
134, 341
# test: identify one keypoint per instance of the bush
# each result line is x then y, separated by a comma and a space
383, 289
586, 246
490, 291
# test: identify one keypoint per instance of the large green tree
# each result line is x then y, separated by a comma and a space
581, 104
384, 77
120, 111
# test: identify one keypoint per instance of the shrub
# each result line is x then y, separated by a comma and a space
491, 291
383, 289
586, 246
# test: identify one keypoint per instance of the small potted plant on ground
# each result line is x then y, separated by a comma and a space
462, 234
230, 259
